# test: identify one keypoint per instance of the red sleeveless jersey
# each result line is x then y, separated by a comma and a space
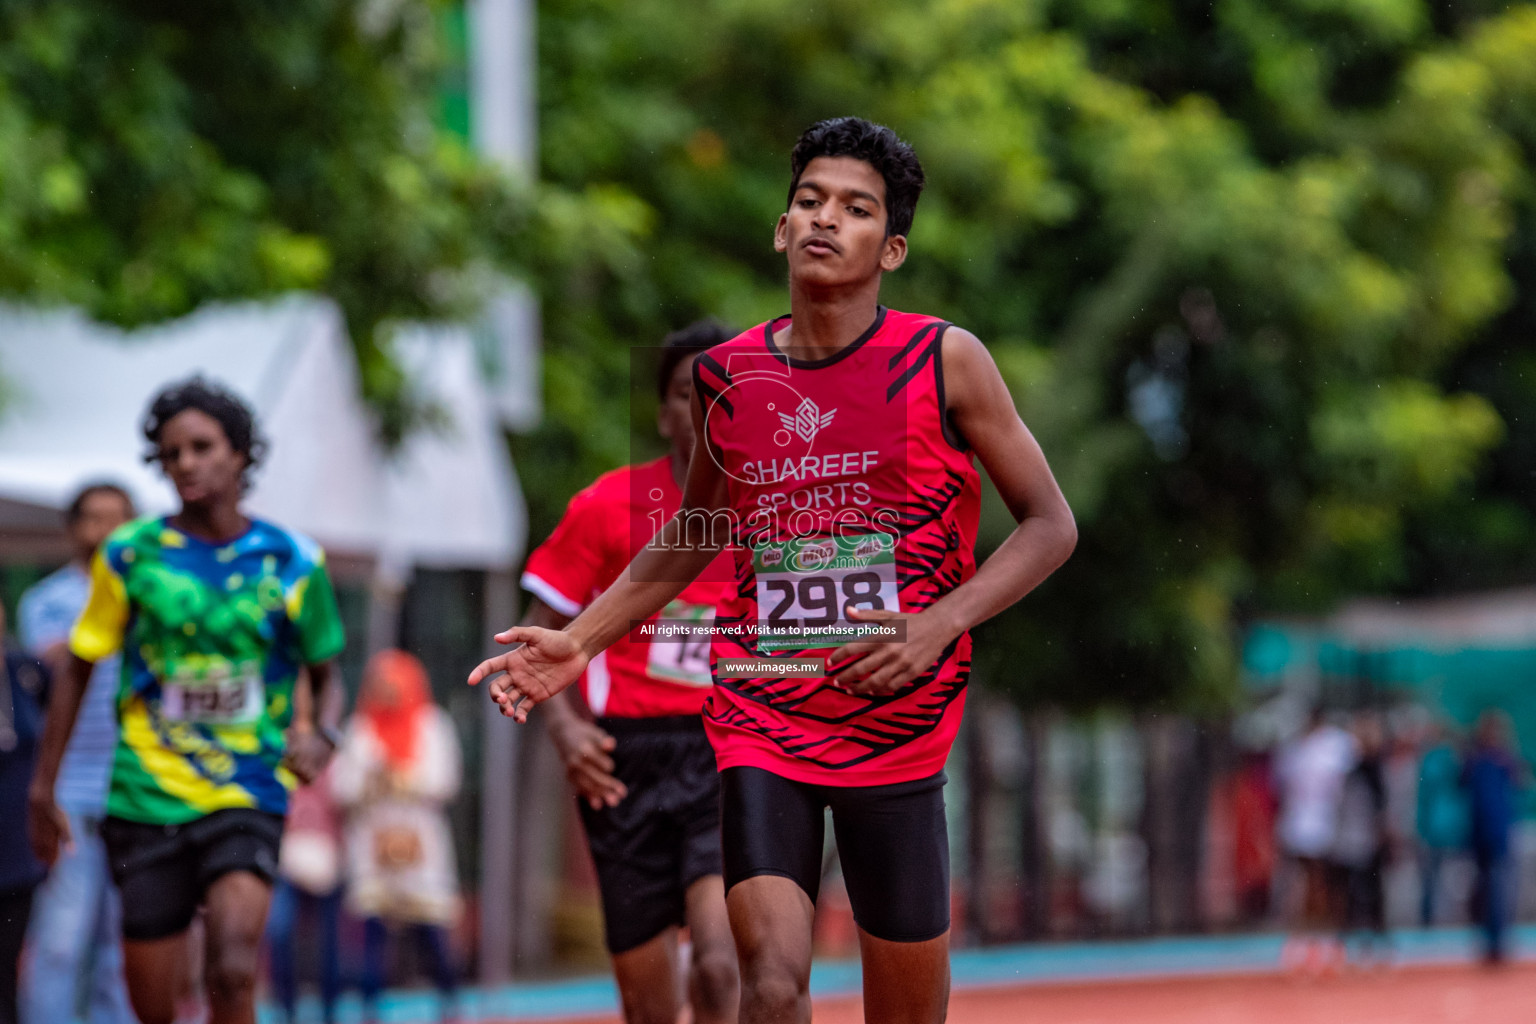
604, 526
846, 485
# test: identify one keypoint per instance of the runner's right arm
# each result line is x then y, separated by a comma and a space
548, 661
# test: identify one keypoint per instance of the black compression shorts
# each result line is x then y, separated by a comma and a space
892, 840
164, 871
664, 835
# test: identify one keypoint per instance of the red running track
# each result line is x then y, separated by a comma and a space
1451, 995
1464, 995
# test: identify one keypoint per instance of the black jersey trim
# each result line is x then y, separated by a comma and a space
710, 393
906, 350
917, 365
838, 356
952, 435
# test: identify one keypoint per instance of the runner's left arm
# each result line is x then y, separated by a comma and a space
312, 735
982, 411
548, 661
312, 732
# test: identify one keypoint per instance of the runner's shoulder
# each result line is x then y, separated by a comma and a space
297, 553
133, 540
611, 488
144, 528
902, 322
961, 344
966, 361
713, 365
752, 337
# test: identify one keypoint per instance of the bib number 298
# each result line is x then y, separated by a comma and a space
805, 586
826, 596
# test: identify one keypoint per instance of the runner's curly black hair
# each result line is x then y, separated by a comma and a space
877, 146
212, 399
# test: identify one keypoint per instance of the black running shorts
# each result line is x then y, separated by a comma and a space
664, 835
892, 841
164, 871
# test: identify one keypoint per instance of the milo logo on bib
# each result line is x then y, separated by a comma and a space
812, 557
805, 585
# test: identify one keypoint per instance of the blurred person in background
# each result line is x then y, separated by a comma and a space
1441, 818
398, 768
643, 770
1492, 777
1405, 729
1309, 778
310, 883
23, 692
1253, 827
73, 946
1362, 841
215, 614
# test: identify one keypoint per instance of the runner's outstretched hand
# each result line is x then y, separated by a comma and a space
547, 662
877, 669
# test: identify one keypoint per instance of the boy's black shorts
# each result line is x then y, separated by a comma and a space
164, 871
664, 835
892, 841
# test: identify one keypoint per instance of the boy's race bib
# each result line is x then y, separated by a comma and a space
804, 586
228, 695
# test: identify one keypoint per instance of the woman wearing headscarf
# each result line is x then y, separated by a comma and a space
397, 770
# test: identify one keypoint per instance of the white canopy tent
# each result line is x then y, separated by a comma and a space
75, 392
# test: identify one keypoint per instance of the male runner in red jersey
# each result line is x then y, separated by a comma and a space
841, 443
643, 770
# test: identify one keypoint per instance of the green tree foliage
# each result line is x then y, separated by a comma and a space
1488, 537
158, 155
1250, 267
1225, 253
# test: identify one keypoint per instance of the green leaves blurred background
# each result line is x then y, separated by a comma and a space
1259, 274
